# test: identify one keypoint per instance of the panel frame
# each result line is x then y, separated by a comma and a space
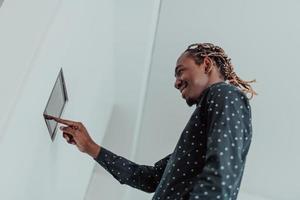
60, 78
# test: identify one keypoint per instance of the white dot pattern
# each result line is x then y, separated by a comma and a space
209, 158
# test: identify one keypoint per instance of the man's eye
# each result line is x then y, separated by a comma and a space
179, 72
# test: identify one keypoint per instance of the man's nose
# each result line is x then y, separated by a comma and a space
177, 83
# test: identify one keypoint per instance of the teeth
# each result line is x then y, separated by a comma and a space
183, 87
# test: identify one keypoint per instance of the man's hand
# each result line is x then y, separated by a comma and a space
75, 133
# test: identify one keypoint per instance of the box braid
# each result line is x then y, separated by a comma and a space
200, 50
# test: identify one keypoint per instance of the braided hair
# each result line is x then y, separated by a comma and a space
199, 51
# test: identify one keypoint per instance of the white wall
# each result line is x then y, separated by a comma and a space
37, 38
106, 46
135, 27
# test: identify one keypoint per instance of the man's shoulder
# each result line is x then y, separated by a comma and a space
224, 92
224, 89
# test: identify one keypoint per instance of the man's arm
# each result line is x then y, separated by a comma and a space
229, 135
142, 177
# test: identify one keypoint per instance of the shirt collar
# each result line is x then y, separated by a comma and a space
206, 90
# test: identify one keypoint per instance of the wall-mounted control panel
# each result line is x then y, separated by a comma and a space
56, 103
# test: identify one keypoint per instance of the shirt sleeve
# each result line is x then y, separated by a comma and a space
228, 139
145, 178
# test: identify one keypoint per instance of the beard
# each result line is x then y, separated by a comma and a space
190, 102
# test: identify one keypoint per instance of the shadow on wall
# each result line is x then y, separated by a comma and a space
1, 1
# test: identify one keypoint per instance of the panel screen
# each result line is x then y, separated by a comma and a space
56, 103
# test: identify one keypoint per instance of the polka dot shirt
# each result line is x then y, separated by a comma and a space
209, 158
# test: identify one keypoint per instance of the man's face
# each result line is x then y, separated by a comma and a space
191, 78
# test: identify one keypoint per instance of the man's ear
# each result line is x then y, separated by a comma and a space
207, 64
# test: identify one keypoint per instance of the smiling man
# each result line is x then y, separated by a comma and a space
209, 158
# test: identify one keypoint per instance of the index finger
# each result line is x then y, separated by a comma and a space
60, 120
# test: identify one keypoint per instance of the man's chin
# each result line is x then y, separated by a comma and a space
190, 102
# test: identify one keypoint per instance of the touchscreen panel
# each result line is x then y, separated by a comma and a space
56, 103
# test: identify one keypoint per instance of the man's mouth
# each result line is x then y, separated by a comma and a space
183, 87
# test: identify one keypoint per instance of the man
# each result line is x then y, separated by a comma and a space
209, 158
